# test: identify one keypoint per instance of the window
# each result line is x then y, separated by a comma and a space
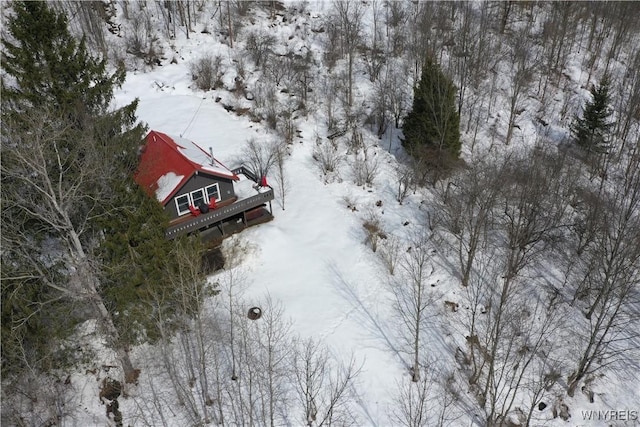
212, 192
182, 204
197, 197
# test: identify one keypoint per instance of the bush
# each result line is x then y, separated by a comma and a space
259, 46
206, 72
389, 252
365, 169
141, 43
327, 156
373, 230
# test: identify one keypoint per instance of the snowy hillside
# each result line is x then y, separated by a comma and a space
338, 264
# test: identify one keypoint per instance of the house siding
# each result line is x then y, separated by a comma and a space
197, 181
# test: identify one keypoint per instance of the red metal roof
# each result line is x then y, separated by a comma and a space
167, 162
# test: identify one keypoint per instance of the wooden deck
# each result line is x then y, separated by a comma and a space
219, 215
213, 237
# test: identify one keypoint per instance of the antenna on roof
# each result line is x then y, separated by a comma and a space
211, 160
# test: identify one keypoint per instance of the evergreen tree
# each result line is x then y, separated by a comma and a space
433, 124
67, 163
49, 67
592, 130
139, 266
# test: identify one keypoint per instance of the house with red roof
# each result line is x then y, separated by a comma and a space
197, 191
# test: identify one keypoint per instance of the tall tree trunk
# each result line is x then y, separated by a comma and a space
90, 286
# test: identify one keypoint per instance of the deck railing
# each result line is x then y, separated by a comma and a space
219, 214
242, 169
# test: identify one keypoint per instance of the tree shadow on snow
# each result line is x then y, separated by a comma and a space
365, 314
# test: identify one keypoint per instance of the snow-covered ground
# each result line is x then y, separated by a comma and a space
313, 258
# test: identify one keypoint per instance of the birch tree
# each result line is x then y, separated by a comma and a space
63, 149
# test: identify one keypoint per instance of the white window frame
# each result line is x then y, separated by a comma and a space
204, 196
188, 196
206, 192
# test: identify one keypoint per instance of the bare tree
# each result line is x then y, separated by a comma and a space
328, 156
428, 402
468, 202
373, 230
273, 334
349, 18
259, 394
186, 354
323, 385
207, 72
621, 19
139, 40
511, 359
396, 90
365, 165
421, 23
628, 125
404, 178
411, 297
261, 156
599, 31
281, 177
411, 408
390, 252
463, 51
38, 399
47, 184
396, 18
259, 45
90, 20
559, 32
372, 53
523, 62
610, 275
508, 332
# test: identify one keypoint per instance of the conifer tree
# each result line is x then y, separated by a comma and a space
592, 130
67, 163
48, 66
433, 122
139, 266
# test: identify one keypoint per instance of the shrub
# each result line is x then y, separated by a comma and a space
373, 230
327, 156
206, 72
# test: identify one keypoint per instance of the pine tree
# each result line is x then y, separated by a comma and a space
592, 130
67, 163
433, 122
49, 67
139, 265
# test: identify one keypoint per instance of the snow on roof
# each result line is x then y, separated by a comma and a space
167, 162
166, 184
197, 155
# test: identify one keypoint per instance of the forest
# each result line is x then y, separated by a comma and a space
457, 233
